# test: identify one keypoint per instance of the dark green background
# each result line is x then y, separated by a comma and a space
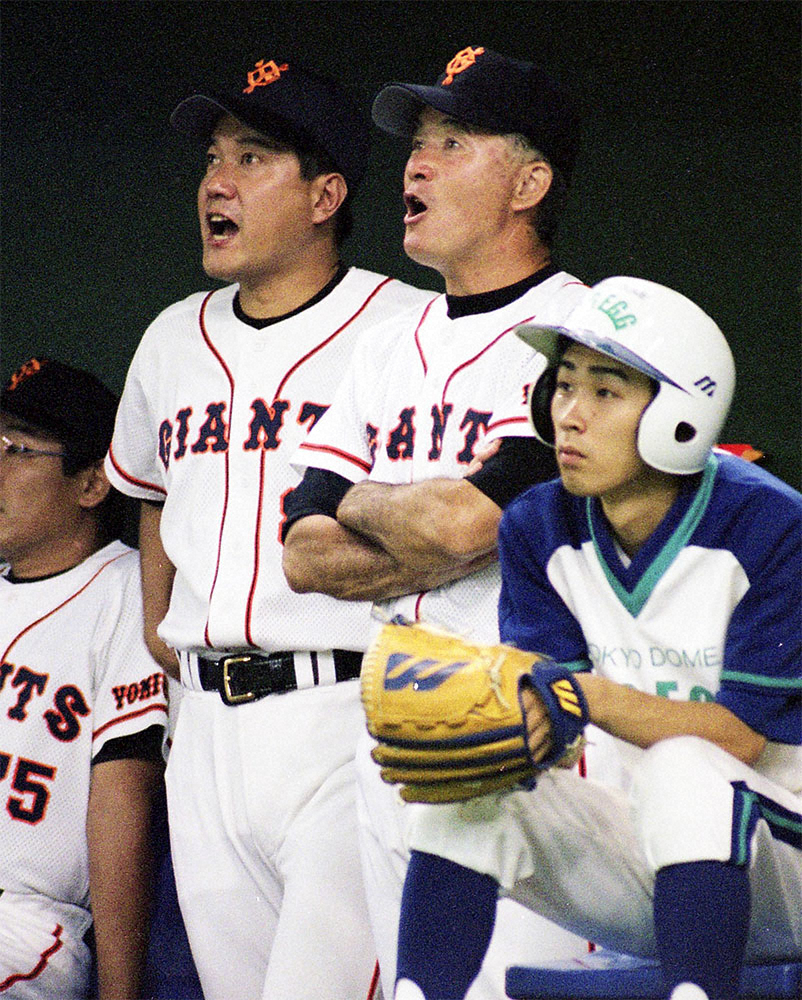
690, 173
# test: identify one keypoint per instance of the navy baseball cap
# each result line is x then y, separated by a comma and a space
490, 91
66, 403
280, 97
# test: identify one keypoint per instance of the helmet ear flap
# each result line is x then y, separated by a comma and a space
540, 396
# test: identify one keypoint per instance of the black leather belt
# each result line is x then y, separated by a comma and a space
243, 677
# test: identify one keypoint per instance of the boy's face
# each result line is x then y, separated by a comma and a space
596, 410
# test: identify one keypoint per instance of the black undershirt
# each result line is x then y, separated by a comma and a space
519, 463
260, 324
458, 306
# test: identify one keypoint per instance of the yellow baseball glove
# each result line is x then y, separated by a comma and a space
448, 718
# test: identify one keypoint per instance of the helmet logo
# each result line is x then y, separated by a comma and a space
29, 368
616, 309
707, 385
461, 61
267, 71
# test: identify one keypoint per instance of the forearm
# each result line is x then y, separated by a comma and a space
158, 574
121, 871
645, 719
438, 522
320, 555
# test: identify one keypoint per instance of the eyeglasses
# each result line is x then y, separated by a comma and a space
10, 447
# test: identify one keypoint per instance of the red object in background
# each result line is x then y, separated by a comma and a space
745, 451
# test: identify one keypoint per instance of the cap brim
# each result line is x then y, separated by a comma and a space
197, 115
542, 338
546, 340
397, 106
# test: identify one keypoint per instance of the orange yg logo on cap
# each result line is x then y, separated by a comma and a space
266, 72
461, 61
29, 368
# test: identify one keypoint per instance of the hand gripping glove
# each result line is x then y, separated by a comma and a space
447, 715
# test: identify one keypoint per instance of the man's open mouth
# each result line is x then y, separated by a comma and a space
414, 206
220, 225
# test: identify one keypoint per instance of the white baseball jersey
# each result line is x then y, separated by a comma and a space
418, 400
212, 407
212, 411
74, 674
708, 609
420, 396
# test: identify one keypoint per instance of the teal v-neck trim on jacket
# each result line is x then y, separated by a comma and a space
635, 599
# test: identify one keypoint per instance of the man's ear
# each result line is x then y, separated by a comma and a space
94, 486
328, 192
534, 180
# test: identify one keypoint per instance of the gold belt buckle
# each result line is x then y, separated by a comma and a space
229, 697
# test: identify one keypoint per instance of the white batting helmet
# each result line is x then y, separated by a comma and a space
664, 335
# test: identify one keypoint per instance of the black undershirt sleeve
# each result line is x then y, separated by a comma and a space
319, 492
145, 745
519, 463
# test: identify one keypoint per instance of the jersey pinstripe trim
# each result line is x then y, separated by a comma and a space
479, 354
230, 377
143, 483
330, 450
128, 715
635, 601
329, 339
508, 422
748, 808
262, 459
790, 683
41, 965
257, 537
421, 321
58, 607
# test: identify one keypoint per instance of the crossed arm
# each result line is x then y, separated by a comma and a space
389, 540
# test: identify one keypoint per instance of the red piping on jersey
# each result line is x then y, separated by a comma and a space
338, 453
331, 337
258, 535
229, 376
487, 347
484, 350
128, 715
143, 483
39, 968
417, 330
276, 394
493, 425
58, 607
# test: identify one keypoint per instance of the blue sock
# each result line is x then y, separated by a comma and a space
447, 917
701, 922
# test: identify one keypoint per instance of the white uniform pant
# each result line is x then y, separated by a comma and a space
520, 936
263, 835
42, 952
582, 854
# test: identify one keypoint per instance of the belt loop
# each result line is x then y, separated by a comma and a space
190, 675
304, 674
325, 667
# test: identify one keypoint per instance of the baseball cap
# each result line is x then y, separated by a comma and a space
488, 90
275, 95
67, 403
